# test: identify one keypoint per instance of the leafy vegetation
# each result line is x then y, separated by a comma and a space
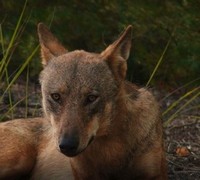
91, 25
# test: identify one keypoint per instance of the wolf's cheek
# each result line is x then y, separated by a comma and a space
105, 120
93, 127
51, 110
53, 107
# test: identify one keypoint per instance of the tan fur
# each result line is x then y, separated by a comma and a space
27, 151
108, 127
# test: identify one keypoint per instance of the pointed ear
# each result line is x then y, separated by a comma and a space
50, 46
117, 53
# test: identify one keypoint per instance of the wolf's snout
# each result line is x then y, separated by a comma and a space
69, 145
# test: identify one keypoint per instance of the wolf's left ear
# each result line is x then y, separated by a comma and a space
117, 53
50, 46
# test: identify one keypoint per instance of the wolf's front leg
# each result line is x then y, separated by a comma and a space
17, 155
152, 165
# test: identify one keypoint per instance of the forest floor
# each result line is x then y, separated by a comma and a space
182, 135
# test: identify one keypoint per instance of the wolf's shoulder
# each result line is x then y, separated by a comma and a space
140, 95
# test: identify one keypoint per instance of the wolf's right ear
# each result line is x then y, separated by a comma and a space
50, 46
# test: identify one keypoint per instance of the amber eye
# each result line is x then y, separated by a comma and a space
55, 97
92, 98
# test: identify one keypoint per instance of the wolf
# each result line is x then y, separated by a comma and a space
96, 125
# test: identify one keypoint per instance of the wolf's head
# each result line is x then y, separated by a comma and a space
80, 89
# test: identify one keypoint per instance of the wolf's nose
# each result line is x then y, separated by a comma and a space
69, 146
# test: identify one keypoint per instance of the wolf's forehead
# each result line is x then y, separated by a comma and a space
79, 69
79, 63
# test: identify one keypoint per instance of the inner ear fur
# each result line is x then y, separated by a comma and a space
118, 52
50, 46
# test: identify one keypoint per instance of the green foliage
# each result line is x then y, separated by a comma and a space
92, 25
179, 105
8, 49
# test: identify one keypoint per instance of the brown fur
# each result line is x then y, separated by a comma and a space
27, 151
108, 127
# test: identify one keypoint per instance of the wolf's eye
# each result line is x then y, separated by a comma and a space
55, 97
91, 98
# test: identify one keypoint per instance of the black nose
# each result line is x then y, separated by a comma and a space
69, 145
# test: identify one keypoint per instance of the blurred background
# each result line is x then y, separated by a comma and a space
171, 25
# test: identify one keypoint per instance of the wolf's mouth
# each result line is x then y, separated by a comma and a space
75, 153
91, 139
